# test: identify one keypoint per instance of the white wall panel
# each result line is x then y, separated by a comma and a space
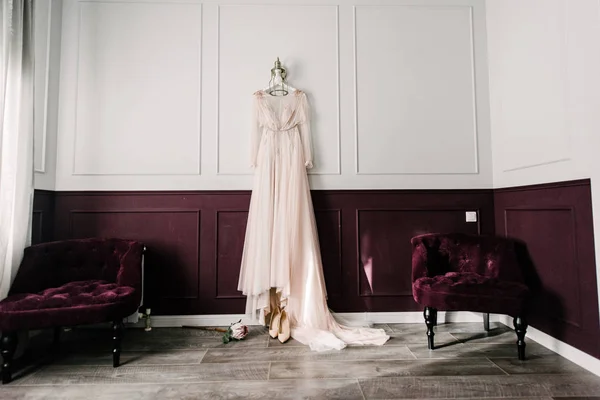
47, 31
247, 49
542, 89
529, 80
138, 89
42, 25
154, 92
415, 86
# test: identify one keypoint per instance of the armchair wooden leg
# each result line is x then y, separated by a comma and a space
7, 349
117, 337
520, 328
430, 315
486, 322
56, 340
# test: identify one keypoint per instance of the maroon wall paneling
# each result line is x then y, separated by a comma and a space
230, 232
376, 230
43, 216
329, 224
382, 258
195, 241
555, 221
171, 235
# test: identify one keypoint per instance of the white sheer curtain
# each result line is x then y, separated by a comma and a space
16, 135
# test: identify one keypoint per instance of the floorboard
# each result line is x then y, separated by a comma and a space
180, 363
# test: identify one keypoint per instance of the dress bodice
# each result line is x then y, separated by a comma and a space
280, 113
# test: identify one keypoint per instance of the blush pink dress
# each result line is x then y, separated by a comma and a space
281, 248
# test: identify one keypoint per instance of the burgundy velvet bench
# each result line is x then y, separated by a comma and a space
462, 272
69, 283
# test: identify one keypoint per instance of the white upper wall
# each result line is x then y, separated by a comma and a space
156, 95
544, 85
47, 33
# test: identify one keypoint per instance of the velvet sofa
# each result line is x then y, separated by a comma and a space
461, 272
69, 283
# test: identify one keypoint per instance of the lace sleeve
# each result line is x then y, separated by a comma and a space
254, 133
305, 132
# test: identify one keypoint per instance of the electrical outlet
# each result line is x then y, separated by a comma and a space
471, 216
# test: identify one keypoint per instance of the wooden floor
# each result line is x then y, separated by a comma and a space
178, 363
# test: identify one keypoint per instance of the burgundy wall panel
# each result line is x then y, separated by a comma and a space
230, 232
171, 237
382, 253
195, 240
329, 229
555, 221
43, 216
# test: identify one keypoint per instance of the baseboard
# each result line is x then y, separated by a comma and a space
410, 317
569, 352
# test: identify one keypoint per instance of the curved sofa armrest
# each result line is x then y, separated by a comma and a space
419, 260
130, 270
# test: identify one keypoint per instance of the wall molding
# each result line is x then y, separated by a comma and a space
543, 186
338, 95
357, 171
567, 146
42, 169
555, 221
76, 90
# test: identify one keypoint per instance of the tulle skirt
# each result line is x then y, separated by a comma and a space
281, 251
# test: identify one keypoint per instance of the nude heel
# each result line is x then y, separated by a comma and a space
284, 327
275, 322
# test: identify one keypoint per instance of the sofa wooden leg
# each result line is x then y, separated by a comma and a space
56, 340
117, 337
430, 315
8, 346
520, 328
486, 322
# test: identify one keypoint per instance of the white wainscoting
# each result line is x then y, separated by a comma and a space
138, 106
156, 94
415, 90
42, 32
246, 51
528, 83
47, 31
543, 62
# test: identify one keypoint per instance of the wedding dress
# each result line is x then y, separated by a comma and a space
281, 248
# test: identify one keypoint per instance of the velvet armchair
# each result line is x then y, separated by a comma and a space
69, 283
461, 272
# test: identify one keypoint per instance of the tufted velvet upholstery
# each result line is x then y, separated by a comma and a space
69, 283
74, 282
469, 273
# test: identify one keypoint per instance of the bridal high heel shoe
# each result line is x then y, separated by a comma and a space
284, 327
280, 325
275, 322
